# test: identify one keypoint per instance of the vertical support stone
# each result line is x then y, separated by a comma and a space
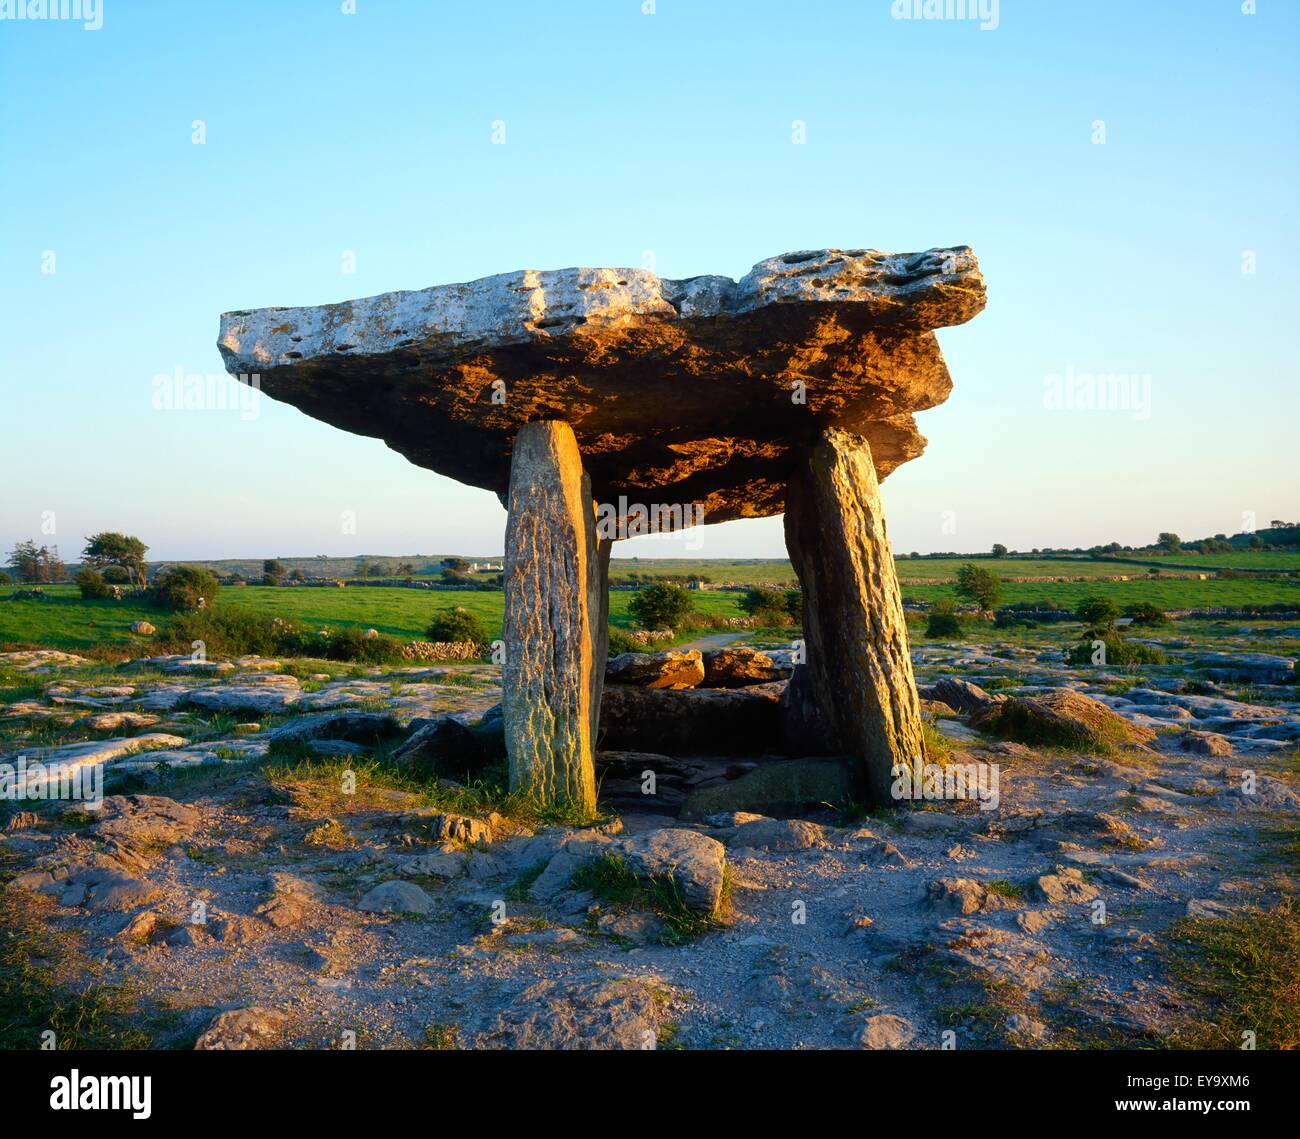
854, 629
547, 681
598, 615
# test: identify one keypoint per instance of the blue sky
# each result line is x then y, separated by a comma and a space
668, 133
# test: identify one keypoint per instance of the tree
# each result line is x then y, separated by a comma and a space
184, 587
661, 606
978, 585
1170, 543
272, 572
112, 549
1097, 612
455, 563
457, 626
36, 566
999, 550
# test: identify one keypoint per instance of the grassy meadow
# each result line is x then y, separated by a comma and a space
64, 621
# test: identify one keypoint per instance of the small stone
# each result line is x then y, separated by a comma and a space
778, 835
1067, 885
886, 1031
396, 897
1022, 1025
240, 1030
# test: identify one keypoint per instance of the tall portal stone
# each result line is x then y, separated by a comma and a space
853, 621
547, 675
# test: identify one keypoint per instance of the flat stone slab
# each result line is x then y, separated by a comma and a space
679, 392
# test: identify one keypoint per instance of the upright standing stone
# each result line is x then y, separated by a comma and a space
853, 621
598, 614
547, 683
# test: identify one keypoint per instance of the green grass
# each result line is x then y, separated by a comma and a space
1170, 593
612, 881
65, 621
1243, 974
38, 994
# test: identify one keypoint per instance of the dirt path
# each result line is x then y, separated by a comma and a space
715, 641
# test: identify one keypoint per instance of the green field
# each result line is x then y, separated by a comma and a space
1168, 593
65, 621
929, 569
1262, 560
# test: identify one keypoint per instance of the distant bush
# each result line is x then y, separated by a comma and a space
769, 606
458, 625
92, 585
231, 633
1097, 612
1144, 613
1011, 619
353, 644
5, 578
184, 587
116, 575
943, 621
794, 604
661, 606
1113, 650
621, 641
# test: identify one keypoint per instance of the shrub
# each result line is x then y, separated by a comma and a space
1115, 651
116, 575
1010, 619
943, 620
661, 606
92, 585
621, 641
794, 604
458, 625
353, 644
236, 633
1144, 613
1097, 612
5, 578
183, 587
769, 606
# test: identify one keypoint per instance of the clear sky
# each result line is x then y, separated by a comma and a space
630, 135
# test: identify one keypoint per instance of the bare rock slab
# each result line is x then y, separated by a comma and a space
692, 860
678, 391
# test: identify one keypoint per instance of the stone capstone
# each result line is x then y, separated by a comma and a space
678, 391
